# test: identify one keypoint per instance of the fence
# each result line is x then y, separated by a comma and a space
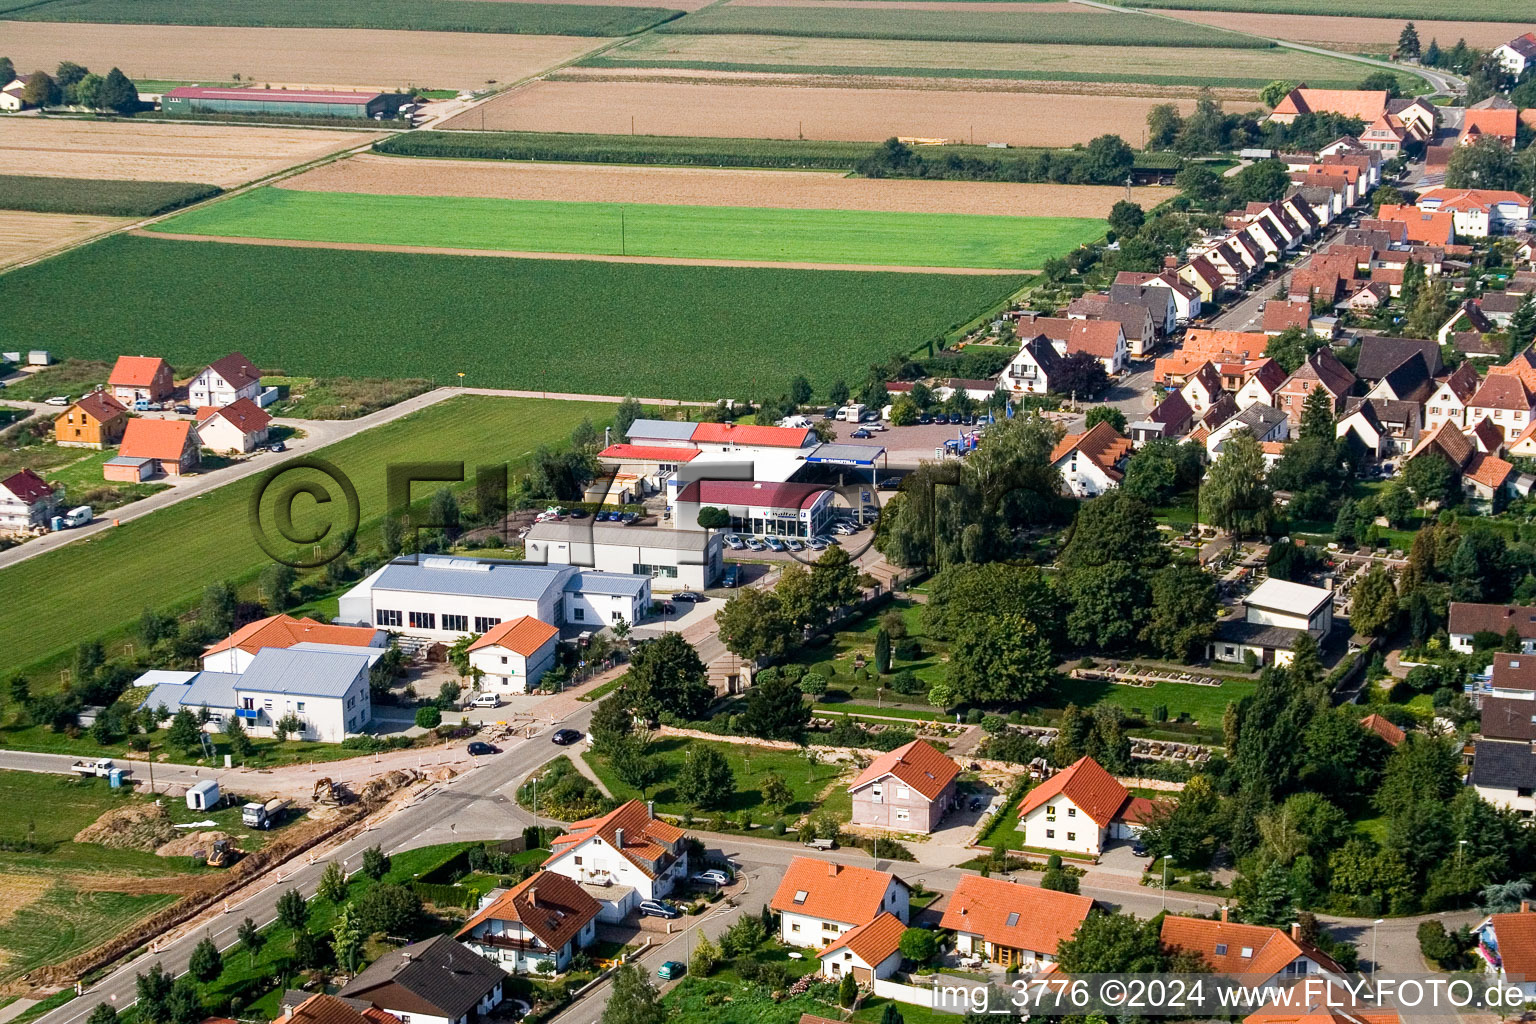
918, 996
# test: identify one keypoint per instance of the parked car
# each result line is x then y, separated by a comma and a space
58, 400
659, 908
732, 576
890, 483
714, 876
734, 542
184, 410
670, 970
485, 700
774, 544
565, 737
277, 446
861, 434
817, 543
753, 544
627, 518
1138, 848
924, 418
793, 544
480, 748
941, 418
691, 596
577, 513
144, 405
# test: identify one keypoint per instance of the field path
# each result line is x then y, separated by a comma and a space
599, 258
318, 434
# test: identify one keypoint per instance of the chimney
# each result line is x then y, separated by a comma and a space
533, 896
1223, 915
832, 869
650, 808
618, 839
1296, 930
1525, 906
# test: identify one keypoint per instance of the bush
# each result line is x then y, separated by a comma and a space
429, 717
813, 684
904, 682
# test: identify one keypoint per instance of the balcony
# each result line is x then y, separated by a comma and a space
507, 942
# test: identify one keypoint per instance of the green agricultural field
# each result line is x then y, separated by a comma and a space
1470, 10
697, 232
555, 325
551, 19
214, 540
1085, 27
39, 194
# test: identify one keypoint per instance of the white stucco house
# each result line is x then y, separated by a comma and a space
622, 859
818, 900
1274, 616
514, 655
224, 382
1011, 924
1079, 810
538, 924
1092, 463
869, 952
236, 428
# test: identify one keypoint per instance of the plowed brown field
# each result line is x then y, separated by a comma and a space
359, 58
986, 6
1348, 33
793, 190
714, 108
217, 154
25, 235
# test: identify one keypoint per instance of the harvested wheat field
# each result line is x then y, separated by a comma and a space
20, 890
688, 186
1342, 33
980, 6
713, 108
356, 58
25, 235
222, 155
671, 5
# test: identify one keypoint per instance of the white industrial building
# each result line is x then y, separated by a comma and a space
442, 598
674, 559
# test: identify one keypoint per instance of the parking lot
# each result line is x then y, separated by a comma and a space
905, 446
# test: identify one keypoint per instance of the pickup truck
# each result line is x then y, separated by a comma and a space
100, 767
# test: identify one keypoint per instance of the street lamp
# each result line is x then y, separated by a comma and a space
1166, 858
1373, 943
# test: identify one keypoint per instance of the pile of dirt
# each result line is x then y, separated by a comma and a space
190, 844
142, 827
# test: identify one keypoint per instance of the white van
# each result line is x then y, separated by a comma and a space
850, 413
485, 700
78, 516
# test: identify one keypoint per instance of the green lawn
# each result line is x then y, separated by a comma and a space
72, 377
749, 764
52, 808
556, 325
835, 658
412, 15
724, 999
1008, 835
212, 539
66, 921
1204, 704
877, 712
703, 232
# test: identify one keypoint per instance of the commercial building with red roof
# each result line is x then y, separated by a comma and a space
1365, 104
1009, 923
758, 507
514, 655
908, 789
235, 652
628, 855
1078, 810
819, 900
136, 377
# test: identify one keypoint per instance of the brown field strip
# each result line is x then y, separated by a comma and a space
519, 255
25, 235
986, 6
1345, 32
671, 5
688, 186
148, 151
711, 107
359, 58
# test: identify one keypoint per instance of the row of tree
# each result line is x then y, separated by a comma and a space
74, 85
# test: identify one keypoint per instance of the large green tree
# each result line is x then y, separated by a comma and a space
706, 780
1236, 496
1183, 612
1373, 603
776, 709
666, 677
959, 594
1114, 527
1108, 606
1001, 656
753, 625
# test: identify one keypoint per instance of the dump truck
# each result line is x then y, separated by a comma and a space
100, 767
254, 815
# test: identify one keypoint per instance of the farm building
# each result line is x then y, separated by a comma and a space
192, 99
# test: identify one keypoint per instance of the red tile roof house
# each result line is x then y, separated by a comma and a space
1504, 398
514, 655
26, 502
225, 381
869, 952
1011, 924
1093, 462
1079, 810
626, 856
1248, 949
1321, 370
236, 428
1507, 944
819, 900
1365, 104
1485, 479
908, 789
545, 919
236, 651
1278, 316
136, 377
160, 446
1466, 619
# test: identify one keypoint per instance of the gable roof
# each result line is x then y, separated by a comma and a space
555, 908
1091, 789
1383, 728
1172, 412
328, 1009
646, 839
437, 976
1269, 949
1379, 356
308, 671
1501, 122
1463, 382
1014, 915
285, 631
647, 453
27, 486
1516, 937
1508, 718
1502, 765
917, 764
1043, 353
523, 635
1450, 442
833, 892
1435, 227
1488, 470
1324, 367
136, 371
1279, 315
1096, 337
100, 406
1248, 344
246, 415
1410, 380
238, 372
1502, 391
1487, 435
1466, 618
1366, 104
749, 434
1102, 445
155, 439
872, 942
